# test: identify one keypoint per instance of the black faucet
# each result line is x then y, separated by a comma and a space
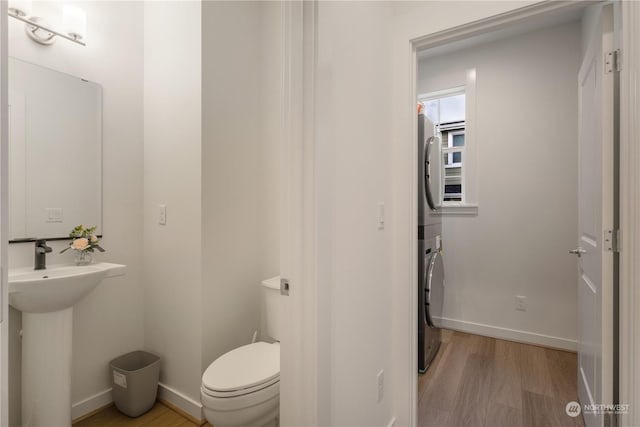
41, 252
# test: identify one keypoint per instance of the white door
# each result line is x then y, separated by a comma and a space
595, 211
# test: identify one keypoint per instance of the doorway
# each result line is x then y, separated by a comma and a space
509, 209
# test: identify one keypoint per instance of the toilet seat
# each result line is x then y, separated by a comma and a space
241, 392
242, 371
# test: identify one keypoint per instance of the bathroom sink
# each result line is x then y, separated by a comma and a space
57, 287
46, 299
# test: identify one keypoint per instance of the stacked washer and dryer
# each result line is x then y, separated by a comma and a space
430, 263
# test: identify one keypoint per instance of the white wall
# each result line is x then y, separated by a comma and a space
212, 159
109, 321
526, 134
215, 164
363, 72
172, 176
362, 300
241, 109
352, 120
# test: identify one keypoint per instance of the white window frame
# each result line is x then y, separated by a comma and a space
449, 150
452, 149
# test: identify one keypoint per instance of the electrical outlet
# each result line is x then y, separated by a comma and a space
380, 385
54, 214
521, 303
380, 216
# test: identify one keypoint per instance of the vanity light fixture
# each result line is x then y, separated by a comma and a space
38, 30
20, 8
74, 22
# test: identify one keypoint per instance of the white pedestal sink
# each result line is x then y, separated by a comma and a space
46, 299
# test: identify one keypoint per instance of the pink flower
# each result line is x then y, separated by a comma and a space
80, 244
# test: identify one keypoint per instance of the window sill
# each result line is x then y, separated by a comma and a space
457, 210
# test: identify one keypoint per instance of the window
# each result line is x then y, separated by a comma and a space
447, 112
456, 139
453, 114
453, 153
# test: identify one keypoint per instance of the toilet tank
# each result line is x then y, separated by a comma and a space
272, 314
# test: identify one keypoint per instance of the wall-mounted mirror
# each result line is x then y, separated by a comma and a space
55, 152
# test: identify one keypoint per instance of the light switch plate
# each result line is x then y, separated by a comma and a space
162, 214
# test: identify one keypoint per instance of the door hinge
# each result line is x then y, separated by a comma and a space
611, 240
612, 61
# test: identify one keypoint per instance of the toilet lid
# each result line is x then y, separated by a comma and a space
245, 367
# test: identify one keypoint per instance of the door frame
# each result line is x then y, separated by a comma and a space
4, 221
299, 353
404, 308
629, 294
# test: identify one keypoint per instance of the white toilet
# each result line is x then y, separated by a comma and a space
242, 387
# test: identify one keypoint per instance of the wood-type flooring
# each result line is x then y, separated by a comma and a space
159, 416
476, 381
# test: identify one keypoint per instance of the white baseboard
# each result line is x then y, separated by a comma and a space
509, 334
91, 403
104, 398
183, 402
